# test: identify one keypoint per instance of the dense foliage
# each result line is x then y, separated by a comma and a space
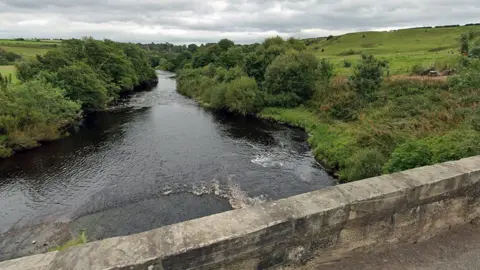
8, 58
361, 126
54, 89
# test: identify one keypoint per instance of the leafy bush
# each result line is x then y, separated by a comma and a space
217, 96
242, 96
8, 58
409, 155
347, 64
363, 164
290, 79
417, 69
469, 78
326, 71
475, 52
367, 76
349, 52
454, 145
464, 43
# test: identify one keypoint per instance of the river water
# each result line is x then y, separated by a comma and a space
155, 159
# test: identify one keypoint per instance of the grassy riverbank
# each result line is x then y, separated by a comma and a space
363, 125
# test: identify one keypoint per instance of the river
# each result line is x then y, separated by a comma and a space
155, 159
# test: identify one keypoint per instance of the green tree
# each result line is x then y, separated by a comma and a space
296, 44
27, 70
231, 58
82, 85
34, 111
367, 76
273, 41
242, 96
291, 78
192, 48
256, 63
225, 44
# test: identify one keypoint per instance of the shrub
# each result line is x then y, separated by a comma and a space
417, 69
454, 145
464, 43
291, 77
409, 155
347, 64
468, 79
217, 96
326, 71
367, 76
349, 52
242, 96
475, 52
363, 164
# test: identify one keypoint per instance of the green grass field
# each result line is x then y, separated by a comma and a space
32, 43
7, 70
437, 47
26, 52
28, 48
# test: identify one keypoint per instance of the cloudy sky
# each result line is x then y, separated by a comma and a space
244, 21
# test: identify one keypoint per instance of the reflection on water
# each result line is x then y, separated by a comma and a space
154, 159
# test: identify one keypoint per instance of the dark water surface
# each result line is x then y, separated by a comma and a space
154, 160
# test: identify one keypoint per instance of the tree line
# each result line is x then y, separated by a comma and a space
55, 89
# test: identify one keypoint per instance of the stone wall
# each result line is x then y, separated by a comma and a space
327, 224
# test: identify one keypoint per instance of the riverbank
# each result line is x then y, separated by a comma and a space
306, 120
303, 118
408, 122
157, 158
66, 82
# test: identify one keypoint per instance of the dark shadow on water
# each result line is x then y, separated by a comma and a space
147, 214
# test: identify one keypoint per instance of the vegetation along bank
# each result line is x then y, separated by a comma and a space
55, 88
363, 120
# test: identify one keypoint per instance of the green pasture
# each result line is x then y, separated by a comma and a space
403, 49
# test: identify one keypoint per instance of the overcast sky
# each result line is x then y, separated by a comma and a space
244, 21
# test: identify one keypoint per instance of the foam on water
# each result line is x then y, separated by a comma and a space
268, 160
230, 191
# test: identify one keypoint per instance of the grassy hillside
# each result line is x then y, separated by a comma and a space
402, 48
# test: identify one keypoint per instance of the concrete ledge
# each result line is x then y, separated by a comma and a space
329, 224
